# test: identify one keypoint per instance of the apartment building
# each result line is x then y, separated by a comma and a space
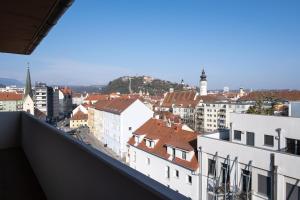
77, 98
259, 161
79, 119
167, 154
181, 103
11, 101
113, 121
213, 115
65, 101
46, 100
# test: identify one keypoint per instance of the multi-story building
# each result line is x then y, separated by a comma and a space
167, 154
65, 101
77, 98
46, 100
79, 119
181, 103
260, 160
213, 115
11, 101
113, 121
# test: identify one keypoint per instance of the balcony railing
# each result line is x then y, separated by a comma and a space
40, 162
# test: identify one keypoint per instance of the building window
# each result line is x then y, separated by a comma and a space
167, 170
264, 185
176, 173
189, 179
173, 152
293, 146
269, 140
211, 167
184, 155
237, 135
250, 139
148, 161
130, 128
246, 181
292, 192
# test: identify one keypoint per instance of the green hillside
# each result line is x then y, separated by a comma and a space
154, 86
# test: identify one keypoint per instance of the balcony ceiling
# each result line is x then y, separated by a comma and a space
23, 24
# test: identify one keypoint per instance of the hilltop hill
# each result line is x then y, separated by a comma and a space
140, 83
9, 81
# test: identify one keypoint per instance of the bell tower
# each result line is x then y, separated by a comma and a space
203, 84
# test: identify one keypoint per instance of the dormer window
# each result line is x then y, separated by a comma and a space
149, 143
136, 139
183, 155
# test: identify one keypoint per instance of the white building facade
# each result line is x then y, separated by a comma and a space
211, 116
115, 120
263, 167
153, 152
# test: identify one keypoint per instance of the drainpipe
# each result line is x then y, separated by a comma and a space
230, 132
200, 173
279, 138
273, 178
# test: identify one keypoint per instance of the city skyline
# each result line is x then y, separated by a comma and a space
241, 44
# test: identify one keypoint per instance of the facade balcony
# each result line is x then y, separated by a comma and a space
40, 162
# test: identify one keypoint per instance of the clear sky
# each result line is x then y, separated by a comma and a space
248, 43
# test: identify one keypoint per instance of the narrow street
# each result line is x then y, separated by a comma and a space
85, 136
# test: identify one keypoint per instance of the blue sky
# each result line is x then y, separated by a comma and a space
248, 43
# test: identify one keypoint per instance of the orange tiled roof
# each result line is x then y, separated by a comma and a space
10, 96
167, 136
289, 95
96, 97
211, 98
182, 98
116, 106
165, 115
79, 116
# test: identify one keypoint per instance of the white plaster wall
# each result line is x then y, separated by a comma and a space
262, 124
157, 171
134, 116
288, 165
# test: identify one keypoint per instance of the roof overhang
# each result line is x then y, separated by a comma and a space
23, 24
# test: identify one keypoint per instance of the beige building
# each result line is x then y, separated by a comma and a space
78, 120
11, 101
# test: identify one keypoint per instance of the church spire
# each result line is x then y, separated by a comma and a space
28, 89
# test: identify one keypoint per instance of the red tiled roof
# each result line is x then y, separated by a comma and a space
10, 96
167, 136
96, 97
116, 106
182, 98
211, 98
79, 116
289, 95
165, 115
